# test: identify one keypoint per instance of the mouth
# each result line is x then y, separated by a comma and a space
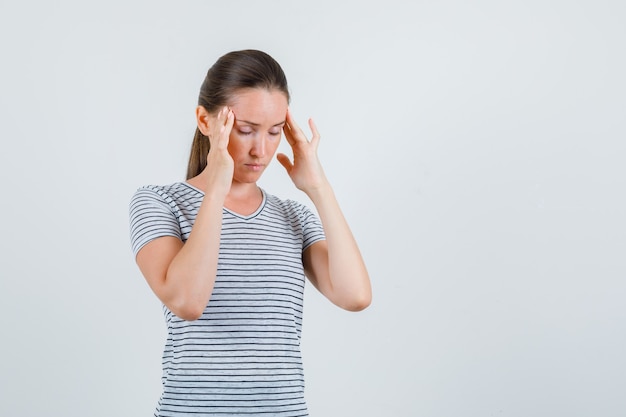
255, 167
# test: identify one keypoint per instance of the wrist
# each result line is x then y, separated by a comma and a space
319, 191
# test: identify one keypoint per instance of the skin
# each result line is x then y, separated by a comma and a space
244, 137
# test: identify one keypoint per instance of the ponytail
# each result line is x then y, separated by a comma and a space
199, 151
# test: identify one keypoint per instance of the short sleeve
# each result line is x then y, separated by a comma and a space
151, 217
312, 229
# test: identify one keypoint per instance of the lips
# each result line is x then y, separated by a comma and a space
255, 167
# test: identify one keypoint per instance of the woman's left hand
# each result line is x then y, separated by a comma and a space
306, 171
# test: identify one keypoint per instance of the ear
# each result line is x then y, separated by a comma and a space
204, 120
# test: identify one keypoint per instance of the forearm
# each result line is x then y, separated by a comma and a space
191, 274
348, 276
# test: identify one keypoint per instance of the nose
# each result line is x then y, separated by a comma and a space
258, 146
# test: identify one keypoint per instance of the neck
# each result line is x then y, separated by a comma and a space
243, 191
244, 199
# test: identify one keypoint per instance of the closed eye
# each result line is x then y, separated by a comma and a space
277, 129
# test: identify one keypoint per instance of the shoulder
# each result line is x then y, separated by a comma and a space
154, 212
173, 194
295, 211
302, 219
285, 205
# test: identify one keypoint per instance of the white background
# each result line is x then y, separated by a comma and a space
478, 149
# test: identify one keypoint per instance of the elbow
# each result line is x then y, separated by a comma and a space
188, 311
358, 303
189, 315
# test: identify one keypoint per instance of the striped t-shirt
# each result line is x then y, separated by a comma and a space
242, 356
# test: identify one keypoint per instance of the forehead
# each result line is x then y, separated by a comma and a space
259, 105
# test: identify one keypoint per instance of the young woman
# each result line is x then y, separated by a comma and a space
228, 260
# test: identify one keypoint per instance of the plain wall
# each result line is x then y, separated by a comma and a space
477, 148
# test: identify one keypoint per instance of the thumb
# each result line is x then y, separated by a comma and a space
284, 161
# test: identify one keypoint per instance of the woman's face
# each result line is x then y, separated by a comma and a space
259, 118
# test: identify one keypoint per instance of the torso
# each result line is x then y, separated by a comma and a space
243, 355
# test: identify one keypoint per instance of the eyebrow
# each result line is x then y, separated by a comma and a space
258, 124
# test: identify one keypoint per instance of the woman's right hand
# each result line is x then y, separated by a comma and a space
183, 275
220, 165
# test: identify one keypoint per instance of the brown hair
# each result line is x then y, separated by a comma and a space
232, 72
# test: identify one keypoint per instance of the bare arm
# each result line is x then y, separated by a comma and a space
335, 266
183, 275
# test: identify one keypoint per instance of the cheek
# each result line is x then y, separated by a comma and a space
233, 147
273, 145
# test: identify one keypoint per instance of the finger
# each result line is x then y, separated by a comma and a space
216, 123
284, 161
297, 135
316, 134
226, 120
229, 123
287, 129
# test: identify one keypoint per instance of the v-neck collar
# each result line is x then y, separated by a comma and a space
234, 213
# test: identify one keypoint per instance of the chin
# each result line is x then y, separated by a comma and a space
247, 179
